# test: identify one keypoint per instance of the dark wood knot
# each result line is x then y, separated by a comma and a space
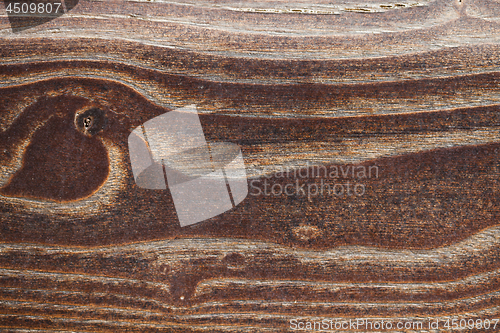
91, 121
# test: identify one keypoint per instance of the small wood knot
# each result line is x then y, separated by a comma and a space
306, 232
91, 122
234, 260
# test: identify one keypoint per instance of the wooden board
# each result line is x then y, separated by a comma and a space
397, 99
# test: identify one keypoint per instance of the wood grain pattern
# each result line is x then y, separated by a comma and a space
409, 88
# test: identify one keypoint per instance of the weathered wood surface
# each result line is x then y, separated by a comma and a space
409, 87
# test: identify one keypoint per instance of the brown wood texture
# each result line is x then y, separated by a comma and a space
407, 88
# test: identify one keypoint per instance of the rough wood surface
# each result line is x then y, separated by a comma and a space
408, 87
